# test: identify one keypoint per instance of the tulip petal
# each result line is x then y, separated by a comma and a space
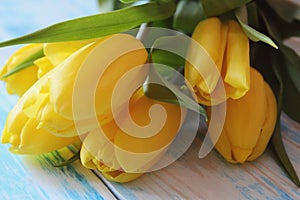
61, 82
236, 68
121, 177
243, 122
21, 132
86, 158
20, 56
58, 52
211, 35
15, 122
138, 153
31, 110
208, 35
44, 66
61, 96
98, 149
19, 82
38, 141
224, 147
269, 124
222, 144
240, 155
131, 54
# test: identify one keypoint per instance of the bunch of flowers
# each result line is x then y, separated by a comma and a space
101, 83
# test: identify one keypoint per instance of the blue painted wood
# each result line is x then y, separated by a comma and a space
34, 177
28, 177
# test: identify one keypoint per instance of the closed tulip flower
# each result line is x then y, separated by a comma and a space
21, 128
56, 53
19, 82
22, 133
39, 59
97, 152
249, 122
47, 105
56, 115
122, 156
228, 47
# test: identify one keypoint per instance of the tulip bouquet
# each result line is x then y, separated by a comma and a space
100, 83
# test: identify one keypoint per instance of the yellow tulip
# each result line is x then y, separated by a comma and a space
48, 103
98, 153
21, 132
55, 114
45, 57
56, 53
228, 47
122, 157
19, 82
249, 122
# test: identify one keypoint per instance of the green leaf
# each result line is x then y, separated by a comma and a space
106, 5
156, 87
218, 7
173, 47
252, 13
277, 27
276, 139
188, 14
96, 26
290, 94
291, 97
253, 34
292, 63
69, 161
163, 1
282, 155
26, 63
128, 1
288, 10
170, 50
291, 59
280, 67
167, 58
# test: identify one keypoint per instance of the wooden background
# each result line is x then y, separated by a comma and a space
29, 177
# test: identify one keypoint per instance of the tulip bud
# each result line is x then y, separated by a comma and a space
56, 114
56, 53
97, 152
249, 122
117, 153
21, 132
19, 82
49, 101
227, 46
236, 62
40, 59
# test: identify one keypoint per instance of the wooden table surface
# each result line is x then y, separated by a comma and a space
34, 177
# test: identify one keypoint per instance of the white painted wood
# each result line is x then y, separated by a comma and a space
188, 178
213, 178
34, 177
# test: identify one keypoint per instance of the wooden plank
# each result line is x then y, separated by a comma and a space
214, 178
34, 177
188, 178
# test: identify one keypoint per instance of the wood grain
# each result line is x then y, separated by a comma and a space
213, 178
28, 177
34, 177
